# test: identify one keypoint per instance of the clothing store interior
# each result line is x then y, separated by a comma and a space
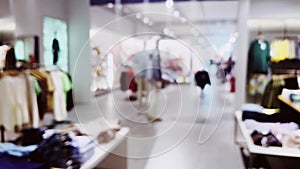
147, 84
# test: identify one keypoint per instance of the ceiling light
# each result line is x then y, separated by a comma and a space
169, 4
110, 5
227, 46
138, 16
166, 31
150, 23
10, 26
232, 40
146, 20
183, 20
176, 13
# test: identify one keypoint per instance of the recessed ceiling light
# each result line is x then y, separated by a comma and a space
166, 31
146, 20
169, 4
138, 16
232, 39
183, 20
176, 13
110, 5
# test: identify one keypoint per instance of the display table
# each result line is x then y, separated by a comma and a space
289, 104
104, 153
254, 149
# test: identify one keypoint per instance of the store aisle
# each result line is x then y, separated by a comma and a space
174, 142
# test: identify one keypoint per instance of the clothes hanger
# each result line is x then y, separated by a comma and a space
259, 35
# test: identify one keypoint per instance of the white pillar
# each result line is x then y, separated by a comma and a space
79, 49
241, 53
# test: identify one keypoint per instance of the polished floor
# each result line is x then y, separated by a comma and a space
196, 130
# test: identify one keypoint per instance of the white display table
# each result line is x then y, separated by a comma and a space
102, 153
274, 151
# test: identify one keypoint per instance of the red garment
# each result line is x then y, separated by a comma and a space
130, 81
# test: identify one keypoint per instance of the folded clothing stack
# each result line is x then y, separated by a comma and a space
103, 130
86, 146
57, 151
278, 129
290, 94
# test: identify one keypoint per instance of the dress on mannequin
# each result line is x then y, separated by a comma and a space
55, 48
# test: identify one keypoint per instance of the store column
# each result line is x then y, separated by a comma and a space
242, 49
79, 49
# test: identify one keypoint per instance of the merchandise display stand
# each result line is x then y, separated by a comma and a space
289, 104
102, 152
274, 155
254, 149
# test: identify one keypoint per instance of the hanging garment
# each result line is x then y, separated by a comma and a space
202, 78
123, 81
70, 102
156, 68
45, 99
292, 49
7, 104
3, 51
21, 95
130, 81
258, 56
55, 48
67, 87
282, 49
257, 84
127, 81
18, 106
273, 89
32, 100
298, 50
59, 97
10, 60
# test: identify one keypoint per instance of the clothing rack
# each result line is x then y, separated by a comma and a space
16, 72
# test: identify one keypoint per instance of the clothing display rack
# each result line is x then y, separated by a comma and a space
33, 97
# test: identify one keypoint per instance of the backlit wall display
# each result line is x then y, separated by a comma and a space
55, 43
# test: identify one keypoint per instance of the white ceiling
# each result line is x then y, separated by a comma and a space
210, 17
192, 10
